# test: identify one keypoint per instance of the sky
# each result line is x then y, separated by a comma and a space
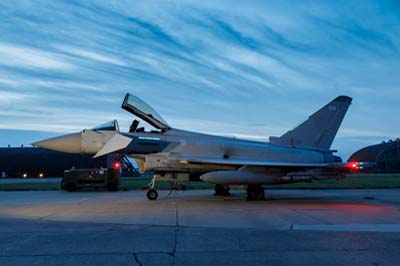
250, 69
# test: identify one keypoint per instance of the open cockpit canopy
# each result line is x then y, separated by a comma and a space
139, 108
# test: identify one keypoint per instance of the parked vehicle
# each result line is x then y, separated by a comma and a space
75, 179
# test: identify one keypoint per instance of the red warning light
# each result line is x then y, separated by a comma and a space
117, 165
353, 166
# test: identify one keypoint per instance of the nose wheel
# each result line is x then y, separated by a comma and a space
152, 194
255, 192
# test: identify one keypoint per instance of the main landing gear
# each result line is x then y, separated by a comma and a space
255, 192
222, 190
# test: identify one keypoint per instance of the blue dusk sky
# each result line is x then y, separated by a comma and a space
249, 69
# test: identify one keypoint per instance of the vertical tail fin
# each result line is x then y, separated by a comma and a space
320, 129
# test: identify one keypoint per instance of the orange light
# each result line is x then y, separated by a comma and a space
41, 175
24, 175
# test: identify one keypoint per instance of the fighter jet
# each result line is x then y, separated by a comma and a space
301, 154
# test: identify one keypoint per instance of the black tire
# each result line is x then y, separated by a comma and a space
222, 190
255, 192
152, 194
70, 187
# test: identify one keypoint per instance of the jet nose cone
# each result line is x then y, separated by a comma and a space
70, 143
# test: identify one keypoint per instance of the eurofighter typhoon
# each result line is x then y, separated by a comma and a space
301, 154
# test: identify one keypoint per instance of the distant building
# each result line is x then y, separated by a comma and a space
386, 156
37, 162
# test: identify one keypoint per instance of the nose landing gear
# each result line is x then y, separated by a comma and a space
152, 194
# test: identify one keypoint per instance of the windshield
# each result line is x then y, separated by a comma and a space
112, 126
141, 109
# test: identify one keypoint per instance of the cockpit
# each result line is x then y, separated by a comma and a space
143, 111
139, 108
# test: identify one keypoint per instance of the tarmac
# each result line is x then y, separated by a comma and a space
295, 227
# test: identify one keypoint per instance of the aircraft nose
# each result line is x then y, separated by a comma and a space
70, 143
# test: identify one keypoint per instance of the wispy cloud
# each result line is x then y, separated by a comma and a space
91, 55
7, 97
22, 56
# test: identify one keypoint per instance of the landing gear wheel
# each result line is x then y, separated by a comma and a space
152, 194
255, 192
222, 190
